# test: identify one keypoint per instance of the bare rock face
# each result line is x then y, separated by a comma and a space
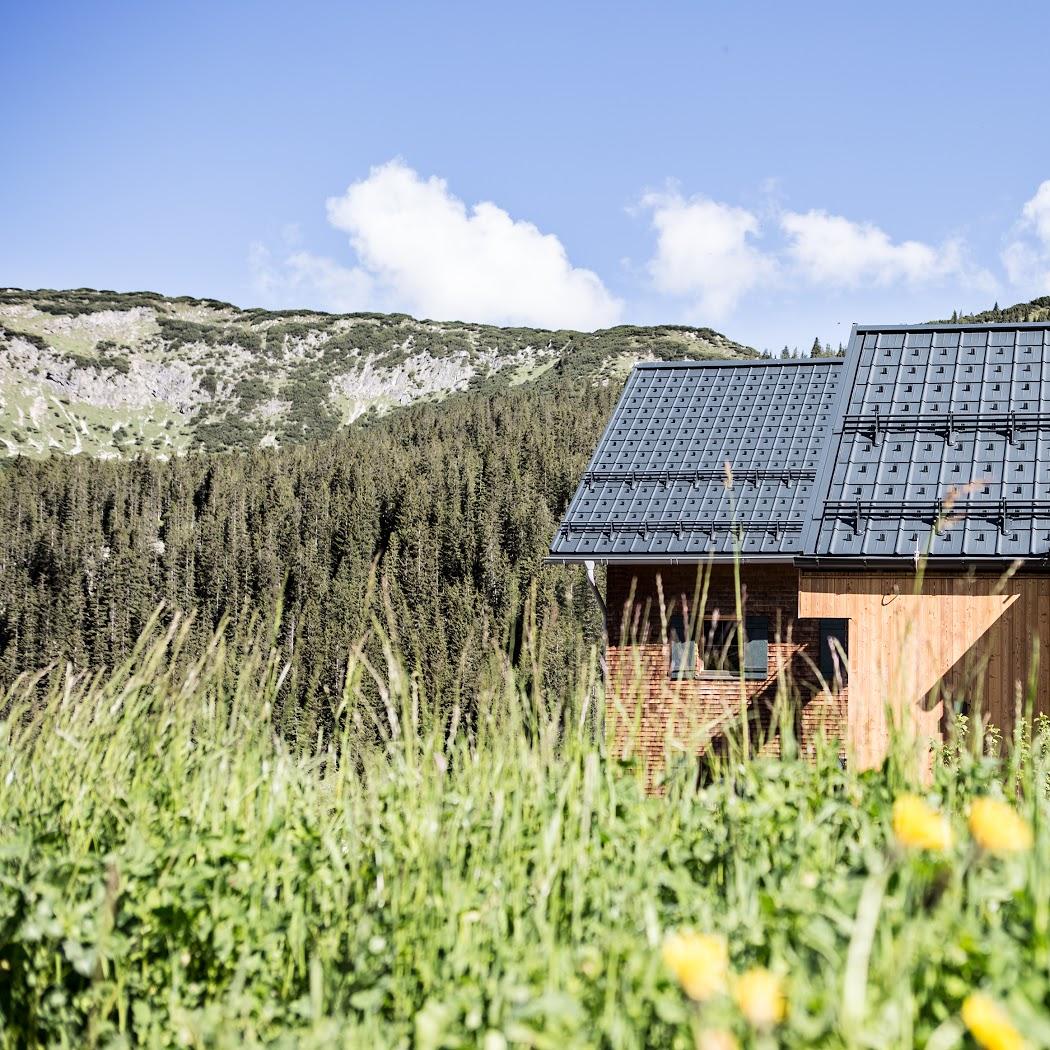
423, 376
101, 384
112, 374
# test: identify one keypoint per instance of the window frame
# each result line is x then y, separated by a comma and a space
837, 628
685, 655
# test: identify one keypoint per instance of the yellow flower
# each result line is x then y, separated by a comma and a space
717, 1039
700, 961
760, 996
998, 827
989, 1024
919, 826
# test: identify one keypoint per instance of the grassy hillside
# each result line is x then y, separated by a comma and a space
116, 374
173, 875
1036, 310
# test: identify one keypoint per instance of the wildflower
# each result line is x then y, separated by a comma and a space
989, 1024
919, 826
997, 827
760, 996
717, 1039
700, 961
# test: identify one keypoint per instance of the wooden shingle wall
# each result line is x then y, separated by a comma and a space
656, 719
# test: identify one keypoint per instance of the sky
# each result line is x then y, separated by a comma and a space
775, 171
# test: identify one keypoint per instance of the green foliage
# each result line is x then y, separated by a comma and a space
228, 432
173, 874
110, 355
105, 359
1036, 310
209, 381
176, 331
456, 503
252, 390
75, 301
29, 337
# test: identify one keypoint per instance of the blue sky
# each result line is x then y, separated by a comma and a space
777, 171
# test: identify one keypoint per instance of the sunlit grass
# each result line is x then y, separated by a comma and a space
172, 873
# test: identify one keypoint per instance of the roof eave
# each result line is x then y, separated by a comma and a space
952, 326
852, 561
667, 559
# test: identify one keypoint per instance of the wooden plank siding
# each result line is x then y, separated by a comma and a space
919, 653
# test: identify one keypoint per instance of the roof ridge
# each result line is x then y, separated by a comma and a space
951, 326
723, 362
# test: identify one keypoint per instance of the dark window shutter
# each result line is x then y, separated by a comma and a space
756, 651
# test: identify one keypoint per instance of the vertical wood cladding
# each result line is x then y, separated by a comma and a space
656, 719
958, 642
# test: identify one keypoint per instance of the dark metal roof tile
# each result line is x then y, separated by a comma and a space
938, 449
656, 484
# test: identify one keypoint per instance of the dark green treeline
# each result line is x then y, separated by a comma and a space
455, 503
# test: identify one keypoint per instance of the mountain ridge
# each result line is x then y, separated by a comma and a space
115, 374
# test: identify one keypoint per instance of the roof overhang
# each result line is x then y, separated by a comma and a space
830, 563
850, 563
669, 559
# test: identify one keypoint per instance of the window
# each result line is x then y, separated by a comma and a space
720, 652
715, 648
834, 651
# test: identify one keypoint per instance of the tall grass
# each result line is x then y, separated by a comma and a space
173, 873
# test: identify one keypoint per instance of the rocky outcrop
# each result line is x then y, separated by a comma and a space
111, 374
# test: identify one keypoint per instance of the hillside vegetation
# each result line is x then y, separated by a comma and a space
117, 374
450, 505
450, 508
172, 874
1036, 310
351, 785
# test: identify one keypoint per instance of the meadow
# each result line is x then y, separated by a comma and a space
174, 873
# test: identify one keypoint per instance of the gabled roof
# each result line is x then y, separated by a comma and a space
656, 489
941, 443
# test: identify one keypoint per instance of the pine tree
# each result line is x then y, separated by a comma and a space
454, 505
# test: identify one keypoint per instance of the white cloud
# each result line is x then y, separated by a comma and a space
833, 250
419, 248
433, 257
1036, 212
1027, 257
308, 280
292, 234
704, 252
422, 251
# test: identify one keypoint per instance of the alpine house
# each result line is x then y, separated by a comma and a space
867, 538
